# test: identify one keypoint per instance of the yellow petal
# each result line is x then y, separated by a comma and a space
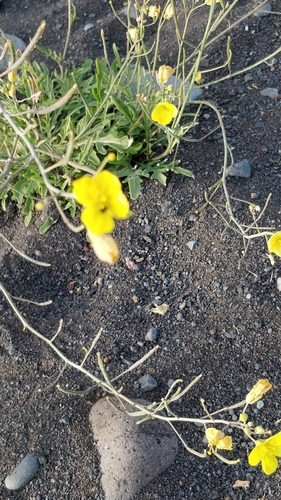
256, 454
274, 244
273, 444
213, 435
82, 189
168, 11
225, 443
119, 206
96, 221
269, 464
164, 113
105, 247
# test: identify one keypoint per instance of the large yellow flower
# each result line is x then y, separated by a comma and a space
103, 199
266, 453
217, 440
274, 243
164, 113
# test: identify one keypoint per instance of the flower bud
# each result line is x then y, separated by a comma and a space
259, 430
257, 392
243, 417
248, 431
105, 247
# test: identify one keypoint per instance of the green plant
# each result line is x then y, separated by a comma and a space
73, 119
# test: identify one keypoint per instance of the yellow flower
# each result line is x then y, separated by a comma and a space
209, 2
164, 113
257, 392
133, 34
105, 247
103, 200
198, 78
168, 11
164, 73
217, 440
154, 11
274, 243
266, 453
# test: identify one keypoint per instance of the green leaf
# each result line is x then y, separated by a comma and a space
160, 177
134, 186
116, 143
183, 171
49, 222
27, 219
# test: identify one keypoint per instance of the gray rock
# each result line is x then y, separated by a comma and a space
270, 92
241, 169
263, 11
151, 334
23, 473
131, 455
147, 383
192, 244
18, 44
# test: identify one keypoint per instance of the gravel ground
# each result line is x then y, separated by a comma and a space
224, 308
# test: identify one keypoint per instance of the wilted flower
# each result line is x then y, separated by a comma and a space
274, 243
257, 392
105, 247
266, 452
209, 2
133, 34
153, 11
163, 74
168, 11
217, 440
198, 78
164, 113
103, 199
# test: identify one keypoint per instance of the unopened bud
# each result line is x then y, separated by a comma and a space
259, 430
243, 417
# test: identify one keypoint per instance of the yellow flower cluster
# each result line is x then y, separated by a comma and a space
103, 201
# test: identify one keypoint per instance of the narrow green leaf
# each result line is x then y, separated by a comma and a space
49, 222
183, 171
134, 187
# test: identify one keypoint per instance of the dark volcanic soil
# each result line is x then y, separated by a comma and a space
224, 308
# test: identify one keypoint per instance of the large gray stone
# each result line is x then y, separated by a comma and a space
131, 455
23, 473
18, 44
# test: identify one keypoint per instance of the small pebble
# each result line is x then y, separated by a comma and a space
192, 244
23, 473
151, 335
147, 383
65, 420
260, 404
88, 26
